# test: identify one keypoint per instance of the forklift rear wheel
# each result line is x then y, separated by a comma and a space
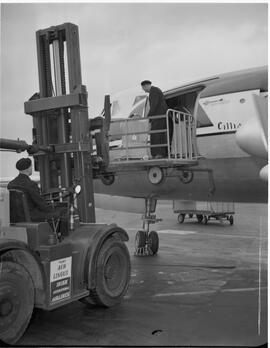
154, 242
231, 219
140, 239
181, 218
16, 301
199, 218
112, 273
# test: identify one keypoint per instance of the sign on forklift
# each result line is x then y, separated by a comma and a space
48, 264
60, 279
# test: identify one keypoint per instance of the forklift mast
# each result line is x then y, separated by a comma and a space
48, 264
60, 117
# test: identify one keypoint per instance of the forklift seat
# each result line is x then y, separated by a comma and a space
19, 210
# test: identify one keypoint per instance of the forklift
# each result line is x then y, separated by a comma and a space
48, 265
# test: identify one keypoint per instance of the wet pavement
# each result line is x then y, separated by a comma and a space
207, 286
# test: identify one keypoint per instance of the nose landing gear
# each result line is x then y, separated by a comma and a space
147, 243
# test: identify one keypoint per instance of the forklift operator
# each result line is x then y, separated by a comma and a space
39, 209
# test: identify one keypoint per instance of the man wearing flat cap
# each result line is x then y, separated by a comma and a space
158, 107
39, 209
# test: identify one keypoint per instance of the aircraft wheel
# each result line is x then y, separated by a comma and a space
199, 218
205, 220
140, 239
16, 301
181, 218
154, 241
112, 272
231, 219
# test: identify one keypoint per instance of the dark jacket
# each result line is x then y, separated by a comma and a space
38, 207
157, 102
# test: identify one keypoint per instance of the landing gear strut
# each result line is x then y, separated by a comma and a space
147, 243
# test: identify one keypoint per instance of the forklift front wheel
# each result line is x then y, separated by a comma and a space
113, 273
16, 301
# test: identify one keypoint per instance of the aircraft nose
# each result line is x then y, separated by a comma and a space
264, 173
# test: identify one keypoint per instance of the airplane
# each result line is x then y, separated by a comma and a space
227, 161
230, 111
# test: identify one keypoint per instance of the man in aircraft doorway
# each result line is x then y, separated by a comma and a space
158, 107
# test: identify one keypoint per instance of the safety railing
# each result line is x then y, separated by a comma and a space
136, 137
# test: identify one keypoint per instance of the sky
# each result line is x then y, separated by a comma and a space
122, 44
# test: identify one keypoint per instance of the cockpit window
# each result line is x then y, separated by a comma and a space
140, 110
138, 98
115, 108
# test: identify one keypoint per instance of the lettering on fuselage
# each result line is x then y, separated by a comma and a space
228, 125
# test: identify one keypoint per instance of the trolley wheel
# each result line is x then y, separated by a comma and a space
140, 239
112, 273
181, 218
108, 179
154, 242
231, 219
190, 216
156, 175
205, 220
16, 301
199, 218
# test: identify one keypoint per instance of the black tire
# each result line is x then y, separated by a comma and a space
108, 179
112, 273
199, 218
16, 301
205, 220
181, 218
231, 219
140, 239
154, 241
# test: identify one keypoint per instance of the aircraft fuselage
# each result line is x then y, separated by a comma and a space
235, 173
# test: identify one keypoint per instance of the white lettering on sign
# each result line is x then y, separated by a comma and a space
60, 279
60, 297
60, 269
62, 283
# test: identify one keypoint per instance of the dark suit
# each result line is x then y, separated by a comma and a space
158, 106
38, 207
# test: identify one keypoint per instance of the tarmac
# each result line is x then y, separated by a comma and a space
207, 286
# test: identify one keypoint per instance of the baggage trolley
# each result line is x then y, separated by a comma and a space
204, 211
